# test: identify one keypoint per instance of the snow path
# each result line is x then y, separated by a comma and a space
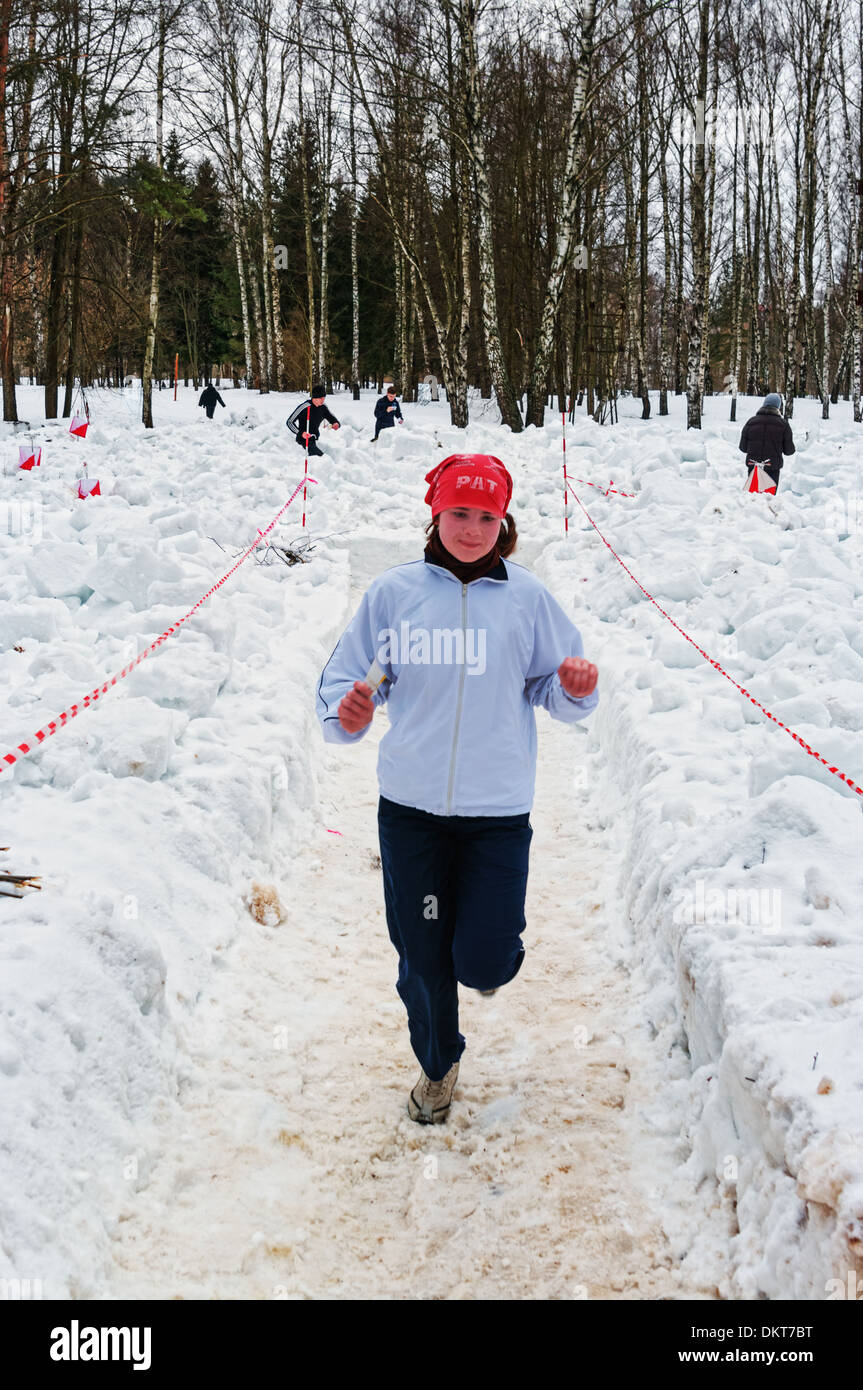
296, 1171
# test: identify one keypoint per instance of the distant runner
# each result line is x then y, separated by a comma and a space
766, 436
210, 398
387, 411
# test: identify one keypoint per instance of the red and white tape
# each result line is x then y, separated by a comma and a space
61, 720
813, 753
605, 490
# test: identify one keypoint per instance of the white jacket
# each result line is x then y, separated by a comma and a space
465, 665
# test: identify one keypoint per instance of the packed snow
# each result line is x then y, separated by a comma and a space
203, 1060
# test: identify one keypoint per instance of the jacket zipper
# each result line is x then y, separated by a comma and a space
459, 699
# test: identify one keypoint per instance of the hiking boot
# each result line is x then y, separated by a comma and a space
429, 1101
487, 992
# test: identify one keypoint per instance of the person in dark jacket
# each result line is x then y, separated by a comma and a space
306, 421
766, 436
387, 411
209, 398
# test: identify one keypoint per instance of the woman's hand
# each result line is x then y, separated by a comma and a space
356, 708
578, 677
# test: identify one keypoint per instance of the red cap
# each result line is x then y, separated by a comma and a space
469, 480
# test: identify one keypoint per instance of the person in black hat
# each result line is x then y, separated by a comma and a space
305, 423
766, 436
387, 411
209, 399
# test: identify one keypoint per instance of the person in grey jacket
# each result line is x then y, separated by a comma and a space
464, 646
766, 436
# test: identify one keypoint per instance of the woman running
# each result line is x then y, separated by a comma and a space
462, 645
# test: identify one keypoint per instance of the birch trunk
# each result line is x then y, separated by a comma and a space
506, 398
74, 315
24, 170
791, 349
276, 298
704, 363
697, 323
241, 278
643, 179
155, 262
737, 285
355, 275
751, 295
678, 302
397, 335
255, 291
324, 330
814, 78
266, 283
855, 203
572, 182
410, 330
636, 342
664, 360
10, 409
267, 250
828, 256
234, 152
401, 320
61, 133
458, 367
307, 209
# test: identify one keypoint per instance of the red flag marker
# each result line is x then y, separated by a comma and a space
759, 481
29, 458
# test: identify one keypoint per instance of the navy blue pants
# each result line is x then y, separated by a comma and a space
454, 890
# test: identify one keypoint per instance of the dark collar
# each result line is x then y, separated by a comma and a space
499, 571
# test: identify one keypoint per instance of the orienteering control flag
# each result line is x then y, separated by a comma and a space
29, 458
760, 480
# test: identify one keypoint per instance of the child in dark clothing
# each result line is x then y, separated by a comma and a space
305, 422
387, 411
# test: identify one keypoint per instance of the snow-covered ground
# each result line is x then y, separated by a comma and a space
665, 1103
